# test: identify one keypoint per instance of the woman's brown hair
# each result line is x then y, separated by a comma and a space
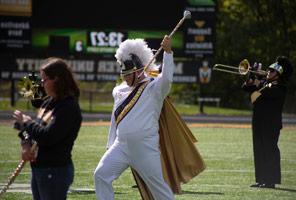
65, 84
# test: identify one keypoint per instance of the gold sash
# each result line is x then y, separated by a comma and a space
255, 95
180, 158
131, 104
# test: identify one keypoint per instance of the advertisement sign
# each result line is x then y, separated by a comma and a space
200, 29
16, 7
15, 33
92, 69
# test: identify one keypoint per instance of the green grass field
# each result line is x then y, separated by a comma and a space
95, 107
226, 151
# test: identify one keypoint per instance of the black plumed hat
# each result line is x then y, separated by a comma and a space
287, 67
131, 64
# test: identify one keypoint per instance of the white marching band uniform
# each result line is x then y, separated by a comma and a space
134, 141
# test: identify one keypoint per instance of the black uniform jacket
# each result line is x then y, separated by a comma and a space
267, 109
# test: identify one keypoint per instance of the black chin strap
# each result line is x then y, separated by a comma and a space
276, 78
134, 78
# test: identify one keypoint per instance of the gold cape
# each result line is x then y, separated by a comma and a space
180, 159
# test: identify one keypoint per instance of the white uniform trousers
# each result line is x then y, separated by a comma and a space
141, 152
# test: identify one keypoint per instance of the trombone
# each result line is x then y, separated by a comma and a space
243, 68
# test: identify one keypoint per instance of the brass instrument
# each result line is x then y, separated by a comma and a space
30, 87
243, 68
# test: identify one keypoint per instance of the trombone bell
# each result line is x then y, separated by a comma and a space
244, 67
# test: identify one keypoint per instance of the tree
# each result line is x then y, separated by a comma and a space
259, 30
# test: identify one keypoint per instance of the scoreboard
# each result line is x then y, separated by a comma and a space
89, 39
96, 42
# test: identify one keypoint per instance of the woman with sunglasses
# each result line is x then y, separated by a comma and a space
54, 130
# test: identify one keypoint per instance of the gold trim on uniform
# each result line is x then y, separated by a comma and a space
129, 106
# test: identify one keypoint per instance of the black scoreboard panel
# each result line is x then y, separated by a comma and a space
87, 34
125, 14
58, 27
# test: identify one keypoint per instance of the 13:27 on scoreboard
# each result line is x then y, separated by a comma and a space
105, 39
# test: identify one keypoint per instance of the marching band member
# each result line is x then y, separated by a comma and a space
268, 98
54, 130
133, 136
146, 132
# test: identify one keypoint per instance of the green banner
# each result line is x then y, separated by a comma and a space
201, 2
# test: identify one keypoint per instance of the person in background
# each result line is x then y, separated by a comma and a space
268, 97
52, 133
